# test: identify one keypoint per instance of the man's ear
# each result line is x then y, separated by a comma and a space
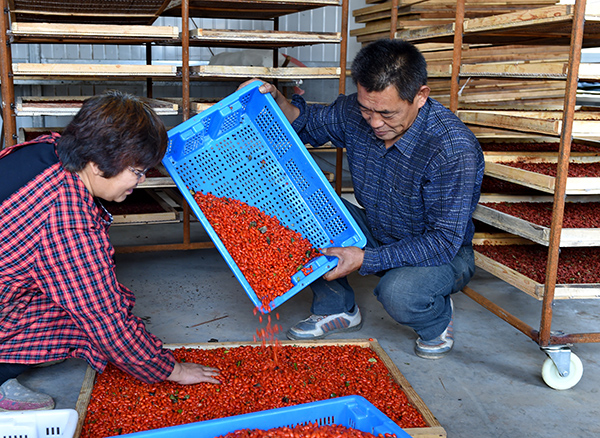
422, 95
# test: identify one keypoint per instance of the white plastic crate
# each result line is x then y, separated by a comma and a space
57, 423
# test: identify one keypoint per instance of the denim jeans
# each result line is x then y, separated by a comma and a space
418, 297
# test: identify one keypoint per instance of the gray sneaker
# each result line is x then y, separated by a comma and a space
319, 326
439, 346
15, 397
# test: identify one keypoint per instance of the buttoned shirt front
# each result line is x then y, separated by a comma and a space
419, 194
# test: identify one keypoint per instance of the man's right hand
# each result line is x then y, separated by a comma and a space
291, 111
187, 373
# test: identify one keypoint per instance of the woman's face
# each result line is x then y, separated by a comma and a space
115, 188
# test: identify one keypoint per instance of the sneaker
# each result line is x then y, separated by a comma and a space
15, 397
439, 346
319, 326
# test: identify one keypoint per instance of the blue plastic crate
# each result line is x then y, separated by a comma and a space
244, 148
351, 411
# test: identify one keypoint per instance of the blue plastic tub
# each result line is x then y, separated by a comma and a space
351, 411
244, 148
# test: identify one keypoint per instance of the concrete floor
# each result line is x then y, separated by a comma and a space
489, 386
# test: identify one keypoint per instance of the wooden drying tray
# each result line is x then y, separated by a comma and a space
223, 71
131, 210
569, 237
88, 71
549, 26
70, 105
91, 33
530, 69
586, 124
433, 429
77, 11
522, 282
382, 11
260, 38
250, 10
538, 181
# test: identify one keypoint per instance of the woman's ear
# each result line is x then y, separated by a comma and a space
95, 169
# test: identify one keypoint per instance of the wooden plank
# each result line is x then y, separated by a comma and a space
543, 183
264, 72
586, 124
274, 38
510, 276
70, 105
57, 71
76, 31
249, 10
533, 288
520, 19
168, 215
433, 430
569, 237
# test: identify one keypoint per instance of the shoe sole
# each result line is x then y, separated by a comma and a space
430, 355
294, 337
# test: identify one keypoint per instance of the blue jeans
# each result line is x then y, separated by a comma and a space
418, 297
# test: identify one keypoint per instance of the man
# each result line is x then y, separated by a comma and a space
416, 171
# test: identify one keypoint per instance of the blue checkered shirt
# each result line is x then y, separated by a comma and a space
418, 195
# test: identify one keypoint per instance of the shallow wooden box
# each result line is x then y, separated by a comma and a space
433, 429
521, 281
569, 237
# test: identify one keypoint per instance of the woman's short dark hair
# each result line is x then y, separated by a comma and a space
114, 130
388, 62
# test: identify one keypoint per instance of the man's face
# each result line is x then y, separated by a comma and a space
387, 114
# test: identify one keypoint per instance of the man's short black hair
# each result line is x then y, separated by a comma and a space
388, 62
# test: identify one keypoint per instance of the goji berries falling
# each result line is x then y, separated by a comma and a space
267, 253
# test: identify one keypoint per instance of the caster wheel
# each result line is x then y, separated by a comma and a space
555, 381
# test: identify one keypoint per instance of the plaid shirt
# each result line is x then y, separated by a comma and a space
418, 195
59, 296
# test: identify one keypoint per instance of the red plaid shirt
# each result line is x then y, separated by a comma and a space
59, 296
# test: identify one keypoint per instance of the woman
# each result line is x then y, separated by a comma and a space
59, 296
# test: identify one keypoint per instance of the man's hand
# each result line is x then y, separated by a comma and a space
350, 259
187, 373
265, 88
290, 111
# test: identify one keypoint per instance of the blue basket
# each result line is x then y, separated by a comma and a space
351, 411
244, 148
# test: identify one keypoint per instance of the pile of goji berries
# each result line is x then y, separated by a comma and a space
303, 431
576, 265
267, 253
253, 378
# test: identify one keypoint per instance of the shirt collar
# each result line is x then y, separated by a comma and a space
407, 143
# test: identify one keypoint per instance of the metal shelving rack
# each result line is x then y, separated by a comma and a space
141, 32
577, 26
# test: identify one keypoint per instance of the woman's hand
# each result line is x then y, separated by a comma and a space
187, 373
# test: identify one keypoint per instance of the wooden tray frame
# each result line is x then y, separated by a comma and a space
586, 124
169, 215
524, 283
538, 181
70, 105
433, 429
569, 237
